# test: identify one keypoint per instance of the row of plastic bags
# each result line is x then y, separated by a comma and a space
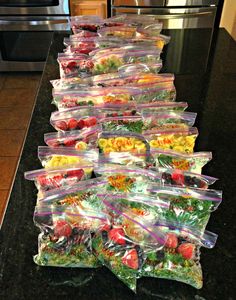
120, 184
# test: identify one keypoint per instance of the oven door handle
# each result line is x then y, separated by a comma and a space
184, 15
33, 23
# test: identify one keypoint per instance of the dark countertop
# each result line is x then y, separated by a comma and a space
209, 86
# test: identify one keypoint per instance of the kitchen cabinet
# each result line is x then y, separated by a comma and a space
88, 7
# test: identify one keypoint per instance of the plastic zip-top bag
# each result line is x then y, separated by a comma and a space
192, 162
162, 106
74, 65
123, 247
66, 236
125, 31
74, 119
81, 140
57, 157
127, 178
51, 179
185, 179
111, 60
94, 96
83, 194
180, 258
167, 120
189, 207
88, 23
124, 123
70, 83
121, 141
179, 140
82, 45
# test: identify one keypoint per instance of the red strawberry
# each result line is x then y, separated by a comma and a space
186, 250
62, 228
127, 113
81, 124
92, 121
178, 177
56, 180
89, 64
53, 143
42, 180
76, 173
117, 235
61, 125
72, 124
69, 142
171, 240
115, 114
130, 259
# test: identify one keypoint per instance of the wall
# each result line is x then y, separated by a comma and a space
228, 18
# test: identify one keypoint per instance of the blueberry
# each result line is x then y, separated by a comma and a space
160, 255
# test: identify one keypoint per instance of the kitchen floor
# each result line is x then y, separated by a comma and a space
17, 97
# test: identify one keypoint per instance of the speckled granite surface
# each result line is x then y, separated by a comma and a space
209, 86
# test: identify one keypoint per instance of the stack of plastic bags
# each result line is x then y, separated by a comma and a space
121, 185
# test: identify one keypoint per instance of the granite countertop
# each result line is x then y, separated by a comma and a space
206, 79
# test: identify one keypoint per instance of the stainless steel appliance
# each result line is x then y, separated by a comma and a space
174, 14
26, 29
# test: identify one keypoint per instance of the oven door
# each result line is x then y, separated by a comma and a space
175, 18
24, 50
34, 7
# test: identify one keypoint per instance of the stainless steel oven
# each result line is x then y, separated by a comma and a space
174, 14
26, 29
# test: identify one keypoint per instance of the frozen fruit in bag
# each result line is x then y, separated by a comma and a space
125, 123
81, 140
167, 120
179, 259
123, 247
121, 141
51, 179
188, 206
179, 140
185, 179
162, 106
126, 179
66, 236
58, 157
192, 162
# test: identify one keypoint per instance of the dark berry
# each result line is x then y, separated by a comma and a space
160, 255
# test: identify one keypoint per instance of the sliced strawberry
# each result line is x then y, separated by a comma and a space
42, 180
186, 250
56, 180
171, 240
61, 125
117, 235
72, 124
130, 259
76, 173
127, 113
69, 142
115, 114
62, 228
81, 124
178, 177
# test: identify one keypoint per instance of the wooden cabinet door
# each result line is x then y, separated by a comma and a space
98, 8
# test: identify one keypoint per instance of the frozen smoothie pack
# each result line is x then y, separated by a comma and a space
74, 119
81, 140
83, 194
192, 162
189, 207
57, 157
161, 106
124, 123
184, 178
127, 178
94, 96
79, 45
123, 247
51, 179
166, 120
122, 141
177, 139
74, 65
70, 83
89, 23
66, 236
180, 258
